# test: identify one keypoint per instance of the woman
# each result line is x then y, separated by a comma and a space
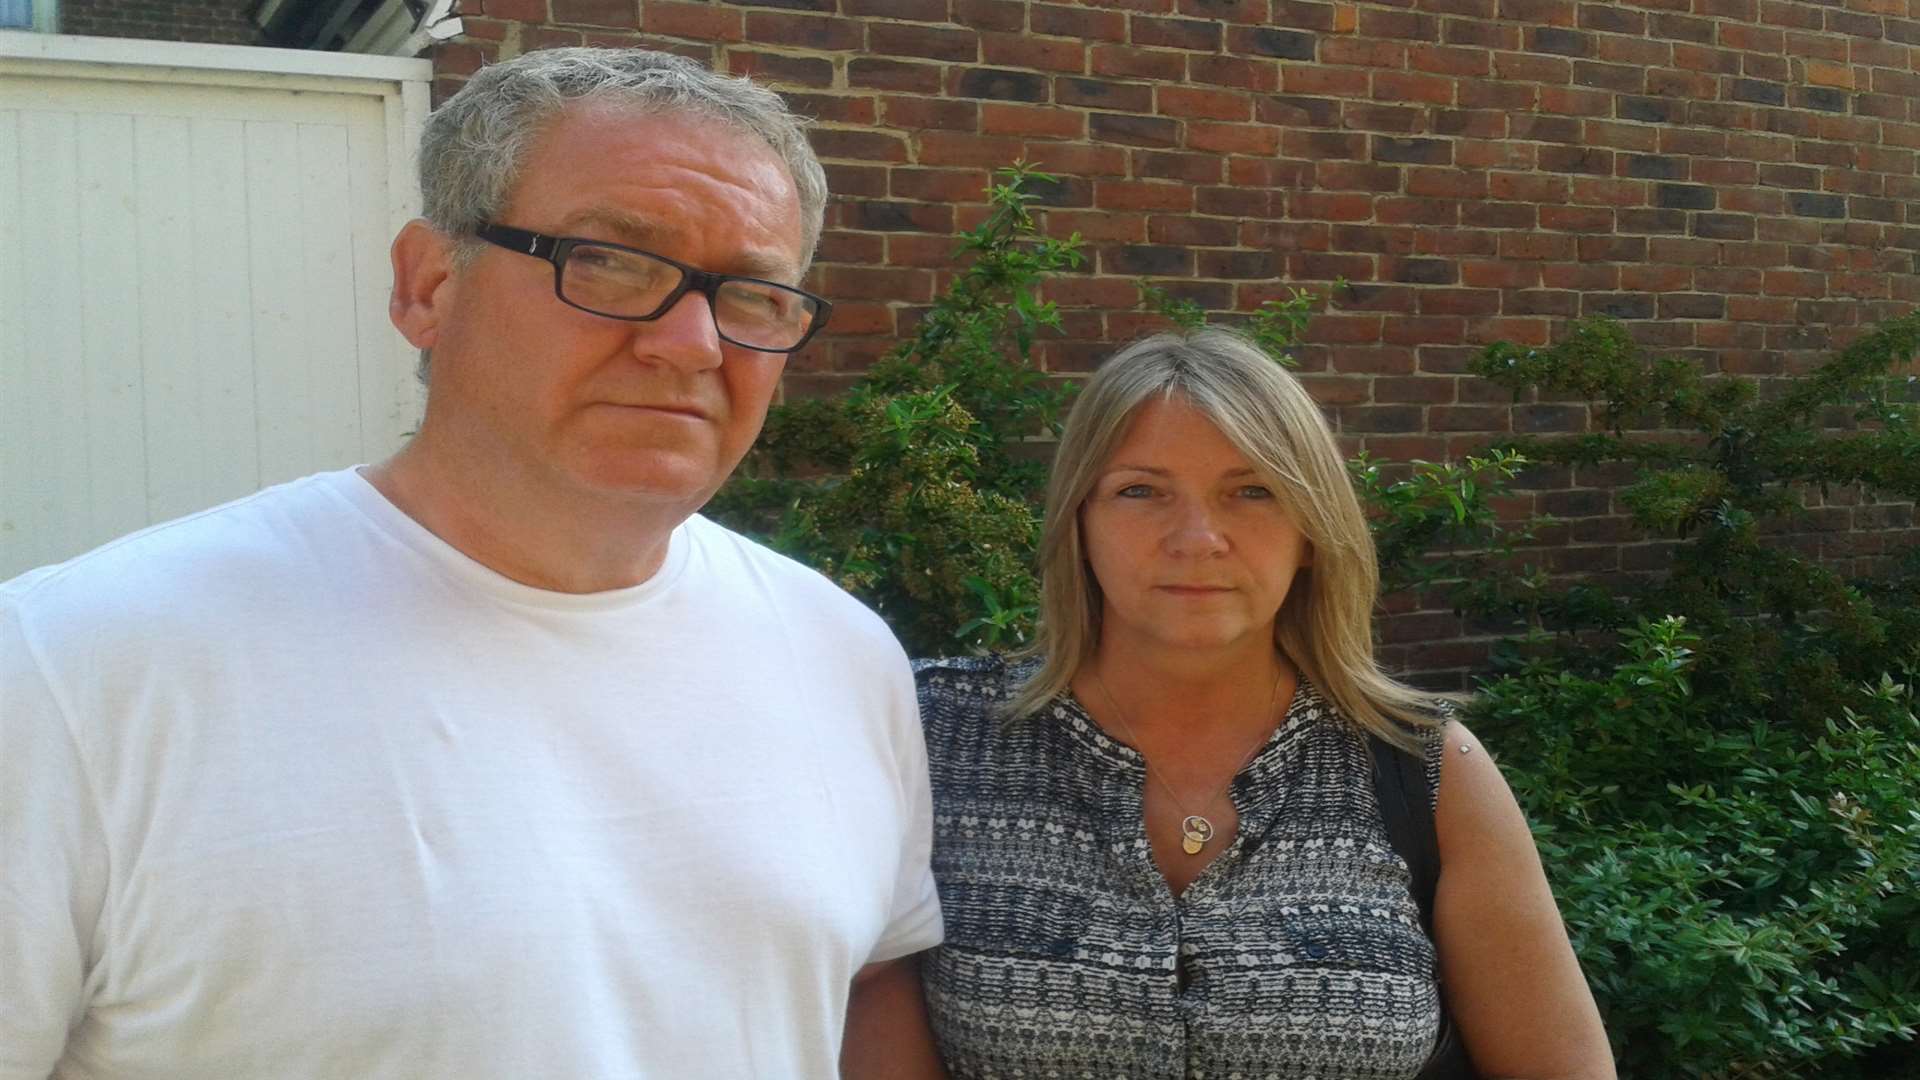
1159, 844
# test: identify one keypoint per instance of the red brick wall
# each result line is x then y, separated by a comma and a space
218, 22
1734, 178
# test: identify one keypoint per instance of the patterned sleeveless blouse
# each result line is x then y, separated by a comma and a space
1296, 955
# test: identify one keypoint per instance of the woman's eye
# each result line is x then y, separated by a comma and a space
1256, 491
1134, 491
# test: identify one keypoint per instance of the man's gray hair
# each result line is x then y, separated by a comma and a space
475, 144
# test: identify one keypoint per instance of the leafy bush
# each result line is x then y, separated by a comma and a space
910, 491
1744, 895
1723, 766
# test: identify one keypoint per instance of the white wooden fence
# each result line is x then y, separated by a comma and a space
193, 277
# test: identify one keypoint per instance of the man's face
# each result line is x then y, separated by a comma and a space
659, 410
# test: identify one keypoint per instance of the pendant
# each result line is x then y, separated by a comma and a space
1196, 831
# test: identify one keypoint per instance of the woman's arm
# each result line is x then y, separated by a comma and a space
888, 1037
1511, 979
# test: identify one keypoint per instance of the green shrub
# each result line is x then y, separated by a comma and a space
1744, 896
1723, 766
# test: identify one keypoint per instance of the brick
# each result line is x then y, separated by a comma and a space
1380, 418
860, 145
1498, 274
1363, 52
1062, 20
1406, 25
1234, 71
690, 20
1649, 110
1324, 145
1388, 118
780, 69
1723, 226
1303, 15
1033, 120
1193, 168
1329, 206
960, 148
620, 13
822, 32
1355, 176
1577, 159
1447, 183
881, 216
1044, 53
1408, 86
914, 10
1239, 265
1478, 34
1528, 67
1446, 214
1148, 260
1814, 204
1692, 306
1318, 266
1197, 35
893, 75
936, 185
1278, 43
1441, 301
922, 113
834, 108
1192, 231
1134, 130
1423, 271
1255, 139
1683, 196
1576, 219
1412, 151
1139, 195
1612, 19
1472, 123
1103, 94
1653, 167
1122, 62
1345, 82
1204, 104
1758, 91
1559, 41
1414, 389
1651, 221
990, 14
1226, 10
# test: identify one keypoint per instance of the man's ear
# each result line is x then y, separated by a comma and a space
423, 282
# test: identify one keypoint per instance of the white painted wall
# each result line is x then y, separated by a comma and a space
193, 277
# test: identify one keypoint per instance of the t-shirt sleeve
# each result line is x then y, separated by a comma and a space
52, 864
914, 923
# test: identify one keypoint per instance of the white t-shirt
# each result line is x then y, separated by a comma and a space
293, 789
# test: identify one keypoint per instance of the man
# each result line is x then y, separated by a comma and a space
494, 759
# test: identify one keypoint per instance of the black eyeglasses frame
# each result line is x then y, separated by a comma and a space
557, 249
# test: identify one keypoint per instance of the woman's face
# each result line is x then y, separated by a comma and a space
1189, 544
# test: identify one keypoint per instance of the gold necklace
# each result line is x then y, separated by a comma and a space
1195, 829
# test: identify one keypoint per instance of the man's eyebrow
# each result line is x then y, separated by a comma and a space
635, 231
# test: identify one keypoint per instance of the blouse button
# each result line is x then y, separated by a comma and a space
1316, 950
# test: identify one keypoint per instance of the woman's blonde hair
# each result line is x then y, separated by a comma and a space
1325, 625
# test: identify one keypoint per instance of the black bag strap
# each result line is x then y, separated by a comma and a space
1400, 783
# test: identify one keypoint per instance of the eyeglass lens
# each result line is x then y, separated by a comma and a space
632, 284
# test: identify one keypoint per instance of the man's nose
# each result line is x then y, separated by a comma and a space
683, 337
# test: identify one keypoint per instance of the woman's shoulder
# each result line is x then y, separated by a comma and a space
992, 675
962, 698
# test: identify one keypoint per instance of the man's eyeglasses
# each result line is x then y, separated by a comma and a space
627, 283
